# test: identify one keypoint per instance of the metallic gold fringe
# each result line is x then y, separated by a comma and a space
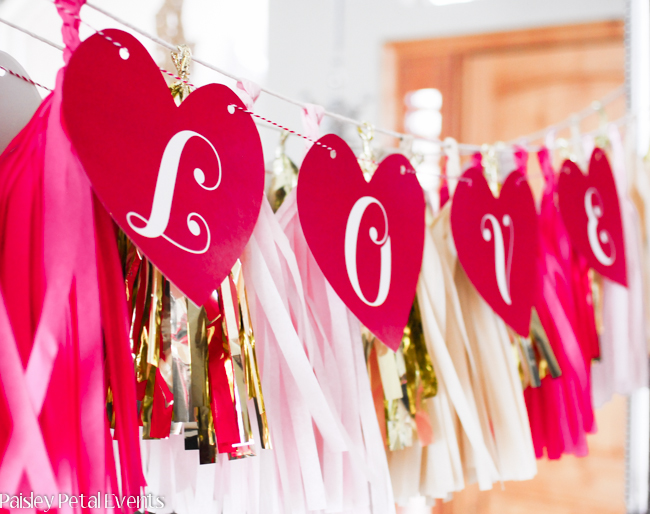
547, 361
597, 298
534, 354
367, 159
155, 318
407, 377
285, 175
182, 59
236, 380
253, 380
200, 335
245, 383
420, 374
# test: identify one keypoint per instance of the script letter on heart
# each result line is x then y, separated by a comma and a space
163, 196
496, 240
367, 237
351, 242
185, 183
592, 215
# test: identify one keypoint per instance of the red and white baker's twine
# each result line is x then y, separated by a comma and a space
120, 46
116, 43
176, 77
403, 169
467, 148
26, 79
332, 151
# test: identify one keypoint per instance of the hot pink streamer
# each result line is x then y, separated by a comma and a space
560, 411
62, 308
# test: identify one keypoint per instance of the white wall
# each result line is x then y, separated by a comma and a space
231, 35
301, 45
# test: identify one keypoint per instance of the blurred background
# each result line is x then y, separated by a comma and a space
361, 57
477, 70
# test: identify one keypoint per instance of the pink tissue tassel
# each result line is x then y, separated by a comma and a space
63, 321
560, 411
335, 349
327, 452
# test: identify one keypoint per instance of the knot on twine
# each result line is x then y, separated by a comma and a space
249, 92
69, 12
312, 116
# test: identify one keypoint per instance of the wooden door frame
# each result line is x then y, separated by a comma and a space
410, 65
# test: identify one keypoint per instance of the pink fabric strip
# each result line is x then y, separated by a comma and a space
92, 422
61, 231
69, 12
118, 351
560, 410
63, 381
26, 448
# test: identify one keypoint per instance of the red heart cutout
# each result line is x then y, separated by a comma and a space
592, 215
367, 237
496, 240
185, 183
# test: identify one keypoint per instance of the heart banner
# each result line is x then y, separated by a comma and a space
185, 183
592, 215
367, 237
496, 240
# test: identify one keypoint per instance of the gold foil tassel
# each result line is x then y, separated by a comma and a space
366, 159
155, 317
529, 357
420, 375
200, 434
147, 403
165, 360
400, 426
388, 371
140, 336
602, 139
207, 442
548, 361
139, 332
197, 339
285, 174
253, 381
182, 58
150, 345
181, 358
535, 354
597, 298
154, 332
490, 167
526, 359
237, 380
110, 408
519, 359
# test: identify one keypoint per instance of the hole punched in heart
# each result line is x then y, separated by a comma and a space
124, 53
